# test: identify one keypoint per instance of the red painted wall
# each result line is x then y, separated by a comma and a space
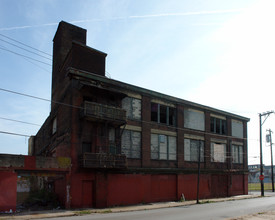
126, 189
105, 189
187, 185
8, 186
163, 187
237, 185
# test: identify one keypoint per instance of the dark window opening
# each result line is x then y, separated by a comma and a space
154, 112
86, 147
172, 116
163, 114
218, 126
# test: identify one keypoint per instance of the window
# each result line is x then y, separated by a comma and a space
218, 152
194, 119
86, 147
130, 143
237, 129
54, 126
218, 125
163, 114
132, 107
237, 153
191, 150
112, 142
163, 147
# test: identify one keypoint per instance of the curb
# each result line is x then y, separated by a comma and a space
150, 206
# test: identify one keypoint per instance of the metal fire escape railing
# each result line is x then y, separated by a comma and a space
96, 111
103, 160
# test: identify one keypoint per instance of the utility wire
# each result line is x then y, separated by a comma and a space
149, 122
25, 56
33, 63
25, 45
43, 99
25, 49
11, 133
24, 122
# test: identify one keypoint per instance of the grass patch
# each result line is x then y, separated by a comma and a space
257, 186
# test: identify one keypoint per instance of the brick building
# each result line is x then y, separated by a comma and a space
131, 145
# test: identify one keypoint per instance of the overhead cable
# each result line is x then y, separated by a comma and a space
25, 44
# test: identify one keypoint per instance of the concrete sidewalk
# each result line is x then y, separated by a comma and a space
66, 213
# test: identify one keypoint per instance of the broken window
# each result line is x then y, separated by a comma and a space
218, 125
237, 154
132, 107
163, 147
218, 152
131, 144
191, 150
163, 114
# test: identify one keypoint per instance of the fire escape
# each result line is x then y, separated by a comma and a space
107, 114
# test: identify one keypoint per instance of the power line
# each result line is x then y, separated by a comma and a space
149, 122
8, 119
25, 45
11, 133
25, 49
25, 56
43, 99
33, 63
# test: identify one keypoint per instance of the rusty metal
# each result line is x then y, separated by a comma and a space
102, 160
96, 111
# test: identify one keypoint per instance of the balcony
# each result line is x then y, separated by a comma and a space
103, 160
99, 112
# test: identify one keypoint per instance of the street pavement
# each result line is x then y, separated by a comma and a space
270, 214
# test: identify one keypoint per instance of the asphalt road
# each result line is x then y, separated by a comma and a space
219, 210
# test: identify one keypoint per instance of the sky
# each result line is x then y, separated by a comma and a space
217, 53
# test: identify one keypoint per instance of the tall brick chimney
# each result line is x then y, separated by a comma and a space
70, 50
66, 33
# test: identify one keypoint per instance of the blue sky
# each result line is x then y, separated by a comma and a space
217, 53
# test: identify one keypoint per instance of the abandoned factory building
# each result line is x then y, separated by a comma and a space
131, 145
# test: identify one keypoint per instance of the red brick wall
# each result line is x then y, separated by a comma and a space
8, 186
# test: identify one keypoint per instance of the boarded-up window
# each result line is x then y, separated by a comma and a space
218, 152
194, 119
163, 147
191, 150
130, 144
237, 129
237, 153
132, 107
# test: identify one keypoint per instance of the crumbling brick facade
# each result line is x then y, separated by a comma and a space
131, 145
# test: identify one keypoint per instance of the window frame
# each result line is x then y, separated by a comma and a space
131, 145
202, 150
170, 119
213, 160
222, 125
169, 154
240, 154
130, 114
